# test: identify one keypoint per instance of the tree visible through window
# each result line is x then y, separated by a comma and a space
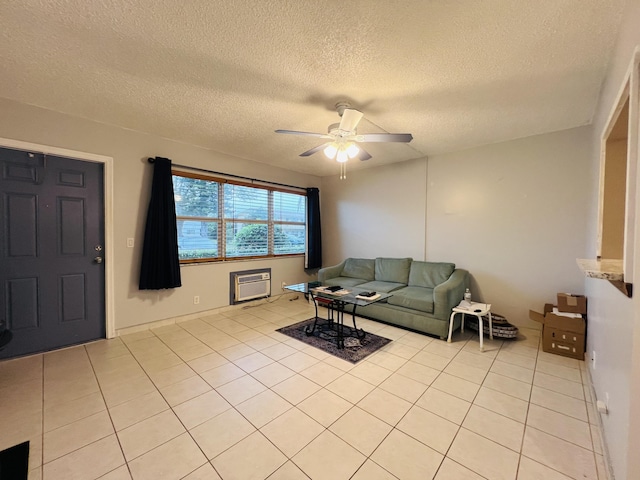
219, 219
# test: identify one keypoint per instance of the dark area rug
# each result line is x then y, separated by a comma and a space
14, 462
324, 338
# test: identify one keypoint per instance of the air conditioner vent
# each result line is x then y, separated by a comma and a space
252, 277
252, 285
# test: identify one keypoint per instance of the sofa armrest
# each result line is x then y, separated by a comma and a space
448, 294
326, 273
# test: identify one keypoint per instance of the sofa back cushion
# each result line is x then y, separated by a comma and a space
359, 268
430, 274
393, 269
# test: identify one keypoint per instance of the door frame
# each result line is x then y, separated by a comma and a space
109, 301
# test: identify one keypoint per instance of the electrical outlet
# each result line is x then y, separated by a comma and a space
602, 407
593, 359
284, 284
196, 300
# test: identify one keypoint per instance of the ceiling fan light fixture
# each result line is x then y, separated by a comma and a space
352, 150
342, 156
342, 137
331, 150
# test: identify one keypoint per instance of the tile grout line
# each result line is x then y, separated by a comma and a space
115, 433
324, 387
354, 405
602, 446
526, 417
446, 455
259, 430
242, 415
188, 431
213, 388
94, 441
414, 404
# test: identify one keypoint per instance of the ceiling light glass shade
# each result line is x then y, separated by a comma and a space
342, 156
331, 150
352, 150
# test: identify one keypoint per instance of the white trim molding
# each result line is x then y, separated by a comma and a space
109, 300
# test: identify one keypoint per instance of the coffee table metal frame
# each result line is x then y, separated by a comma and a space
336, 309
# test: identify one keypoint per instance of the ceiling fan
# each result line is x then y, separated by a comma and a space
343, 137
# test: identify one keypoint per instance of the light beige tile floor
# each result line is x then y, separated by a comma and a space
228, 397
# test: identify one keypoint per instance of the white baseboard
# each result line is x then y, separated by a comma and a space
193, 316
603, 444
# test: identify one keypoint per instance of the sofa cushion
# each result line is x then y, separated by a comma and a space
344, 281
363, 268
430, 274
382, 287
415, 298
393, 269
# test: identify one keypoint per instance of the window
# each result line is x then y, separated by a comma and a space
219, 219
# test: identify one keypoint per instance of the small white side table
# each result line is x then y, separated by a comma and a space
472, 308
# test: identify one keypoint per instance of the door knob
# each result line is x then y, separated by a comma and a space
98, 259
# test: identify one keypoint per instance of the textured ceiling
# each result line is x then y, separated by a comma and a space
225, 75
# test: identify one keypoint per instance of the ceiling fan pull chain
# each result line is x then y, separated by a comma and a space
343, 171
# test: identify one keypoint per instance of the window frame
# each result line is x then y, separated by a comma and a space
222, 221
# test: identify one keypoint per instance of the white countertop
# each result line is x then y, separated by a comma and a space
604, 269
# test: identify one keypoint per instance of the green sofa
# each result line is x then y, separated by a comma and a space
423, 292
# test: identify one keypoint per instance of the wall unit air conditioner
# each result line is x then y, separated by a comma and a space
252, 285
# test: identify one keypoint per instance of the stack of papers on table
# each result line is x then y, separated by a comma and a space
464, 305
370, 297
329, 291
565, 314
472, 306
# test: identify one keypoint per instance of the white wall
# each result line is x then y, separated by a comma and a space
376, 212
514, 215
614, 320
132, 177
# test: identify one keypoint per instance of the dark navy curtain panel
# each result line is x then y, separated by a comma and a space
314, 237
160, 263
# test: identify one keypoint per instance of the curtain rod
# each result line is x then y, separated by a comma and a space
152, 160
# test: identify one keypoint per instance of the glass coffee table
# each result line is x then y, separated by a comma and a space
336, 303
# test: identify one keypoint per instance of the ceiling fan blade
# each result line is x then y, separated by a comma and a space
314, 150
363, 155
308, 134
350, 119
384, 137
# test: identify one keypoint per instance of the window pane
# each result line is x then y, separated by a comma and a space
195, 197
245, 203
197, 239
247, 239
289, 207
259, 221
288, 239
